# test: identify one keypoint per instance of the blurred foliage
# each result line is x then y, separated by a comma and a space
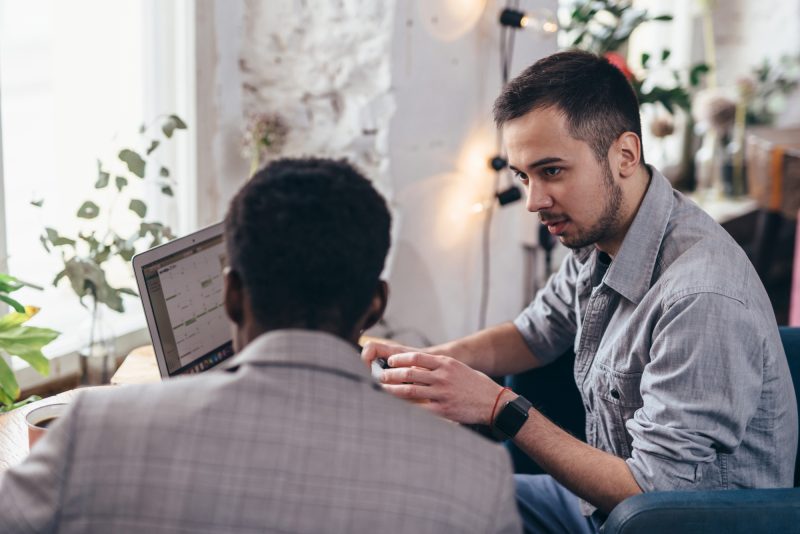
767, 86
85, 254
17, 339
604, 26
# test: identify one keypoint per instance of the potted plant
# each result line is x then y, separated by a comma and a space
88, 253
18, 339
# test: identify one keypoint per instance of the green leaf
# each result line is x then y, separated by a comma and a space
9, 283
662, 18
88, 278
8, 383
133, 160
35, 358
58, 277
645, 59
138, 207
127, 254
164, 172
665, 54
37, 203
153, 145
58, 240
26, 342
120, 182
696, 72
43, 240
127, 291
102, 177
6, 402
88, 210
167, 190
13, 303
15, 318
172, 123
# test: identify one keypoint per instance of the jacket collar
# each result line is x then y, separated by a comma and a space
302, 348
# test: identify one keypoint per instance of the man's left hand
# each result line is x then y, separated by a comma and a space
453, 389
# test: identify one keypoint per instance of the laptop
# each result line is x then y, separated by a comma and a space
180, 284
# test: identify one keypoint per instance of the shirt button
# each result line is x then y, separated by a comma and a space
615, 393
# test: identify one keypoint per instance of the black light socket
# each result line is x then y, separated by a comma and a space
498, 163
512, 18
508, 196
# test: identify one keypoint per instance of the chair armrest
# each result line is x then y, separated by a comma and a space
689, 512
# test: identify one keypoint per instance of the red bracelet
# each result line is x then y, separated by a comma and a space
494, 408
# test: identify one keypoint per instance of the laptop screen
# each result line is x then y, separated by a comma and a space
185, 291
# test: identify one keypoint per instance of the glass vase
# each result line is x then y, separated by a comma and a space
98, 353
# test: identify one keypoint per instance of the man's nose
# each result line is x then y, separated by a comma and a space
538, 199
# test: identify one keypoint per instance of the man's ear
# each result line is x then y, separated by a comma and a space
628, 154
377, 306
234, 296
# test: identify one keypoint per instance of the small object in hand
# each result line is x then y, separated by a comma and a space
41, 418
378, 365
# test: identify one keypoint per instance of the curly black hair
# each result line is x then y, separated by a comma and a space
598, 102
308, 238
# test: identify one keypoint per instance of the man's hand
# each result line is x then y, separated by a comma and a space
453, 389
380, 349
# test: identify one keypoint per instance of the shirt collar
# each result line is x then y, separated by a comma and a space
631, 271
303, 348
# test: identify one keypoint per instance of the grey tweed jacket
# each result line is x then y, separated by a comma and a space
294, 436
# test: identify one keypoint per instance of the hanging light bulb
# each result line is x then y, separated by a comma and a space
538, 20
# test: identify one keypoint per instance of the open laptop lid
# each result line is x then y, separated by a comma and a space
180, 284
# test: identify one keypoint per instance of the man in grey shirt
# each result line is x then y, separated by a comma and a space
678, 359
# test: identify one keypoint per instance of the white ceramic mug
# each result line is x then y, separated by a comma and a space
39, 419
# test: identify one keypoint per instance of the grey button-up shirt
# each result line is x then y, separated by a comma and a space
678, 357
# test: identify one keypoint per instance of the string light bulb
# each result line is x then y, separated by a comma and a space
538, 20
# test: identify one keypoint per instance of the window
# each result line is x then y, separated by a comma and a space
77, 79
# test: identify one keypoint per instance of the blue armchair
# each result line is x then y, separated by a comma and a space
732, 511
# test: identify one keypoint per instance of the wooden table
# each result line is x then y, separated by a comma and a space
14, 430
139, 367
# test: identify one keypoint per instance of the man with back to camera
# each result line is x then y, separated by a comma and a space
292, 435
678, 361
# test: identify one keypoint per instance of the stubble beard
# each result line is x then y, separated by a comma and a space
609, 220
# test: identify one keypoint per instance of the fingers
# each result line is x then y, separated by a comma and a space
407, 375
376, 349
416, 359
413, 392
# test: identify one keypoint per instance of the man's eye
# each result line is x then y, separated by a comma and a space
520, 176
551, 171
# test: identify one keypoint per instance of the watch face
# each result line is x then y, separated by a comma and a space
512, 417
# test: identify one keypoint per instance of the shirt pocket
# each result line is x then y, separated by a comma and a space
618, 398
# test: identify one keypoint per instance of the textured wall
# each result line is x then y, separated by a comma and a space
325, 67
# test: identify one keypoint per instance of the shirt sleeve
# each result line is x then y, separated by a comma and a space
31, 492
699, 390
548, 325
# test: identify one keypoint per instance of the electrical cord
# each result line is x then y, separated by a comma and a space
506, 56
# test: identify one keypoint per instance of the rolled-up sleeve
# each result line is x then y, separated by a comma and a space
548, 324
699, 391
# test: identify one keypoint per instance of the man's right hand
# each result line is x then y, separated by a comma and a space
382, 349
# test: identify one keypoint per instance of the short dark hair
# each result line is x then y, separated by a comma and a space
308, 238
597, 100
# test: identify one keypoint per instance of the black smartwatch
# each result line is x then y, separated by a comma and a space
511, 418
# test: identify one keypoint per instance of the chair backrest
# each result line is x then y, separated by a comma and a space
790, 337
